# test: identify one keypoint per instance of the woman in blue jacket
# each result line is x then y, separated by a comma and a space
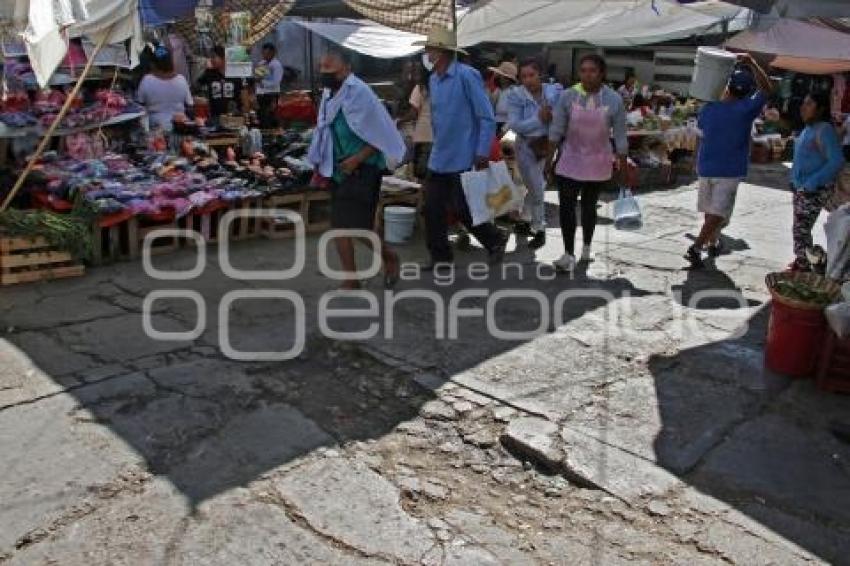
529, 115
817, 162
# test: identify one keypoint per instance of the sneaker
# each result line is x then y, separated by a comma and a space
694, 256
538, 241
586, 254
567, 263
497, 254
715, 250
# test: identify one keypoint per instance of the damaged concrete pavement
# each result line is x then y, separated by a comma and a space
638, 427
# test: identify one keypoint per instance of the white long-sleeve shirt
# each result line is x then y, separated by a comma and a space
271, 83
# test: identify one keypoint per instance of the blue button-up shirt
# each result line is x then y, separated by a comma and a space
461, 118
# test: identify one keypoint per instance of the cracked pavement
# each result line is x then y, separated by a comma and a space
642, 430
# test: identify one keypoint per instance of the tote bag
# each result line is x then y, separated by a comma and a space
627, 214
491, 192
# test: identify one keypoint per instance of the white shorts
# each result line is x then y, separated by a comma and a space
717, 196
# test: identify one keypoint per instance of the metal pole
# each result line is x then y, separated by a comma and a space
53, 126
453, 10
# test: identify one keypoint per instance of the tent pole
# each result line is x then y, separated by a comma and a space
310, 62
55, 124
453, 10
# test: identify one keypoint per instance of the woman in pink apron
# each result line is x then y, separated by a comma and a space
586, 118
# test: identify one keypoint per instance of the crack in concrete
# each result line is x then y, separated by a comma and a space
274, 497
61, 325
126, 481
130, 367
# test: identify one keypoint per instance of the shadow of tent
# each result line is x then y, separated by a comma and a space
215, 425
754, 440
208, 424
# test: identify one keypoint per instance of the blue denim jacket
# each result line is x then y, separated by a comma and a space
523, 110
817, 158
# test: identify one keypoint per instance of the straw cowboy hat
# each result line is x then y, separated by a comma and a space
441, 38
507, 70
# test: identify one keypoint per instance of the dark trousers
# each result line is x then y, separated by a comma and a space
266, 106
444, 193
569, 191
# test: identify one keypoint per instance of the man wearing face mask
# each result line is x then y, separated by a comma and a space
354, 143
463, 130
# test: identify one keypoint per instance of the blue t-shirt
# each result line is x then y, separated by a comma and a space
726, 130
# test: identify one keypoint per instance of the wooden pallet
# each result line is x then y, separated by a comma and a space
317, 211
246, 227
273, 229
162, 245
29, 260
116, 243
204, 223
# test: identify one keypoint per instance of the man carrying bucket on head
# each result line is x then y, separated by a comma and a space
724, 152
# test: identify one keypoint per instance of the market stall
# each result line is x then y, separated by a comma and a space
97, 185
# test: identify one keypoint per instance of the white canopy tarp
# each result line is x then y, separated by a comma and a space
45, 26
794, 38
799, 46
368, 38
607, 23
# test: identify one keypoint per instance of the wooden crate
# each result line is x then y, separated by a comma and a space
119, 242
246, 227
160, 245
273, 229
28, 260
205, 223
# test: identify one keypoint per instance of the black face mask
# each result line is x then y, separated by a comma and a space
329, 80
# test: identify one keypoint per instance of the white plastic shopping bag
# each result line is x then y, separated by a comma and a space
491, 193
627, 214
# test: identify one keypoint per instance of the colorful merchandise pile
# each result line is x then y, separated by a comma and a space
159, 186
18, 111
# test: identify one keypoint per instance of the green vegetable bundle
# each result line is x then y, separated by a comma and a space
68, 232
799, 291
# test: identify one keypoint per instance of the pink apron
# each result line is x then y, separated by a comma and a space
586, 154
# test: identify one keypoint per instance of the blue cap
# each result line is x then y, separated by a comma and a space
741, 82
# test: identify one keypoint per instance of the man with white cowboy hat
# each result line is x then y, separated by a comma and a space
464, 128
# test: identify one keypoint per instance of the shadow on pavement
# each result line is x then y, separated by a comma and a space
209, 424
760, 443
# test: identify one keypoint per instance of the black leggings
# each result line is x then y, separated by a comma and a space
569, 191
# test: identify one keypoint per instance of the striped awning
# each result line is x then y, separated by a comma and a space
415, 16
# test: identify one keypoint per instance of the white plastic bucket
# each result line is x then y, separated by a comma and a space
711, 73
398, 223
